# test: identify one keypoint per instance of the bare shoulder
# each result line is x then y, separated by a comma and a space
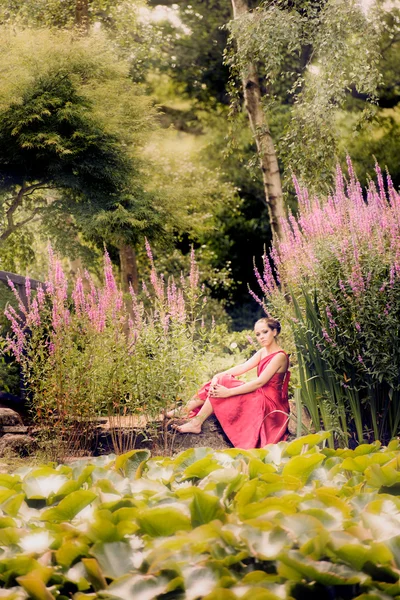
280, 361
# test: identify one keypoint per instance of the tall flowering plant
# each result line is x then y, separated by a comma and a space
90, 352
339, 266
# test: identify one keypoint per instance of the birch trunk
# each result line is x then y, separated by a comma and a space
262, 135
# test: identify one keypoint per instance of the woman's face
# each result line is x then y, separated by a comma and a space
264, 334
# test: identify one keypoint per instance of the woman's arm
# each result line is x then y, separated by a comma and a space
240, 369
278, 363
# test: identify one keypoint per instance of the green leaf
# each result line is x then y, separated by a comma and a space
34, 583
114, 558
297, 446
9, 536
139, 587
163, 521
205, 508
257, 467
94, 574
130, 463
69, 551
35, 587
70, 506
12, 505
9, 481
44, 484
303, 466
201, 468
220, 594
322, 571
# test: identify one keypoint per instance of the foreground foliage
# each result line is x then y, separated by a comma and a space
287, 521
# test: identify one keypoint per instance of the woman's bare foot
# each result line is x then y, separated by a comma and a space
192, 426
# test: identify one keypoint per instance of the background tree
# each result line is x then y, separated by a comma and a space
62, 150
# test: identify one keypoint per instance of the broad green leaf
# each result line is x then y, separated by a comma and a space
201, 468
10, 481
7, 522
264, 545
12, 568
205, 508
163, 521
249, 492
301, 527
322, 571
137, 587
6, 495
273, 504
199, 581
296, 447
9, 536
69, 551
260, 593
257, 467
70, 506
303, 466
103, 530
360, 463
12, 505
130, 462
190, 456
114, 558
35, 587
94, 574
43, 485
68, 487
220, 594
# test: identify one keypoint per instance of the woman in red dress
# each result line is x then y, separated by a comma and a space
251, 414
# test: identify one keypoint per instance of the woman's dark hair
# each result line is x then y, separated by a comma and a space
271, 323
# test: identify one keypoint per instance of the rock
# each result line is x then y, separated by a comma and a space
23, 445
212, 436
9, 417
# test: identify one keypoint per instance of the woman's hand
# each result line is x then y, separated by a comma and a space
219, 391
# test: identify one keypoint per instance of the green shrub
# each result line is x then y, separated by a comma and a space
339, 267
89, 353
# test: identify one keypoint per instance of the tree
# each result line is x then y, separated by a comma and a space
61, 148
262, 134
333, 47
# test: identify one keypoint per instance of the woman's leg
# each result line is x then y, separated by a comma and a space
195, 423
185, 411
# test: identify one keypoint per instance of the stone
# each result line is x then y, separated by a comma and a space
9, 417
22, 445
212, 436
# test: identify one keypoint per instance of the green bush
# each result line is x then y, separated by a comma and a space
89, 353
339, 267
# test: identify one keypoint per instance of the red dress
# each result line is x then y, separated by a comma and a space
257, 418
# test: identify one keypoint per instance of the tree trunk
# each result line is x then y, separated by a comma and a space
129, 272
82, 15
262, 135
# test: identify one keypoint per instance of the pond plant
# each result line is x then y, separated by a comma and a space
292, 521
334, 279
90, 351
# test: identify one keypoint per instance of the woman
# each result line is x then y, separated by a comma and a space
255, 413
